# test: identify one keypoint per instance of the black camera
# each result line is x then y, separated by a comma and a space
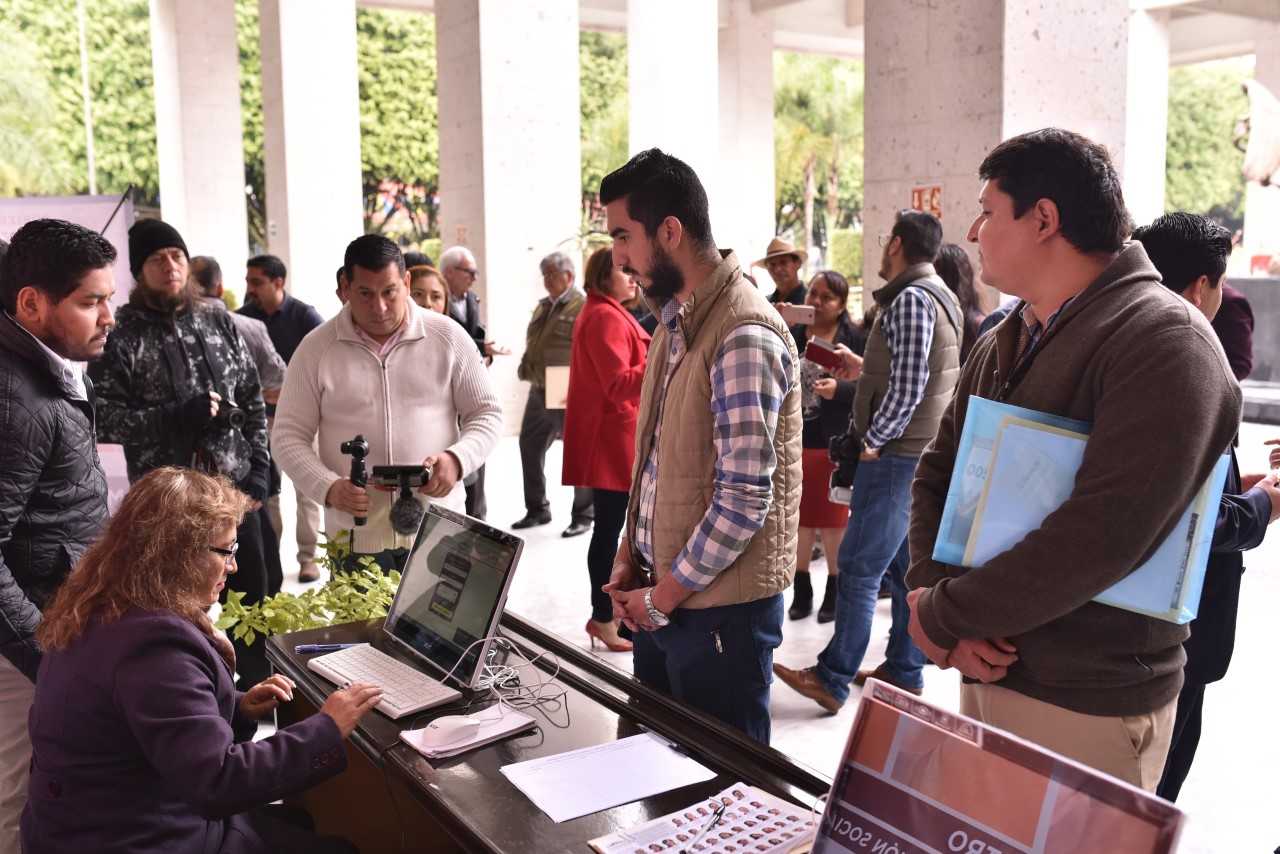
229, 417
844, 450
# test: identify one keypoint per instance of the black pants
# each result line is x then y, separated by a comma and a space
280, 830
1186, 738
539, 428
477, 507
611, 514
270, 552
250, 578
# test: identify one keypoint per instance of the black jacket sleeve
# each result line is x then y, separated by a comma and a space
23, 454
1242, 521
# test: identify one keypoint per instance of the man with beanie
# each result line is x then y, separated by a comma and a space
177, 387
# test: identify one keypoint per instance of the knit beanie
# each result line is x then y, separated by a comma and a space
151, 235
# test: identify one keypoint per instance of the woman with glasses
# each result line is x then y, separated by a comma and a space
140, 741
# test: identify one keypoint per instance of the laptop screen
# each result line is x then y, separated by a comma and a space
452, 591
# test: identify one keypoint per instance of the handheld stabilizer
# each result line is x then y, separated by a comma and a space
357, 449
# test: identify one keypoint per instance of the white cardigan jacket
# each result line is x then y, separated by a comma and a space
430, 394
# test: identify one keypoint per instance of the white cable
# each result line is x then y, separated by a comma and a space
503, 680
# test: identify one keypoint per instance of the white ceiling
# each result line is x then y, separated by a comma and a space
1200, 30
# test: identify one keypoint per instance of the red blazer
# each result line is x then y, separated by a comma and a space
605, 371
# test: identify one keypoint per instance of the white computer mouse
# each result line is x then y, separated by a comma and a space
448, 730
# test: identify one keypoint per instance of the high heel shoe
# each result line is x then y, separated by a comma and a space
594, 632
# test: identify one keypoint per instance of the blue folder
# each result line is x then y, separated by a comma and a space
1015, 466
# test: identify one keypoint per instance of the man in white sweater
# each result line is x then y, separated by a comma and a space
409, 380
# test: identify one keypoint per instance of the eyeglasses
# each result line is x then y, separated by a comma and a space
883, 240
468, 271
228, 555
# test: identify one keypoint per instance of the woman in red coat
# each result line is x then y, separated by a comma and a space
605, 371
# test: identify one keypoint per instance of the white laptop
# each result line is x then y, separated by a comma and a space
444, 616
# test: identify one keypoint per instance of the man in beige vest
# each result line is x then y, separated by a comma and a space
715, 498
908, 374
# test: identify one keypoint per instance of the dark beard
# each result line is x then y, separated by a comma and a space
160, 302
665, 278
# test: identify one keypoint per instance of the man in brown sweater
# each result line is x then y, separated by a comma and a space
1096, 338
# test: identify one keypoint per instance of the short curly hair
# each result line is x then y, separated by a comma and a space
51, 255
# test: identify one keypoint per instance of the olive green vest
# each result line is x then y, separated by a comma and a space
944, 363
549, 339
686, 452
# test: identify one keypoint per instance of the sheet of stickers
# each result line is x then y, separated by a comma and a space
753, 822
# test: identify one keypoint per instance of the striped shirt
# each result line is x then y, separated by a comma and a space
751, 374
907, 324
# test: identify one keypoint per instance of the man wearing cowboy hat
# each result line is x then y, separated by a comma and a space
783, 261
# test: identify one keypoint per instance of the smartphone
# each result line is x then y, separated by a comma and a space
390, 475
796, 315
822, 353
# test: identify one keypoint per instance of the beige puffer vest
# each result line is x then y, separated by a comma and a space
686, 452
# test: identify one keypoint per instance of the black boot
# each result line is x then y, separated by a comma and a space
827, 612
802, 597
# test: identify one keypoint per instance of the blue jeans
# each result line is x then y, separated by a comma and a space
717, 660
875, 541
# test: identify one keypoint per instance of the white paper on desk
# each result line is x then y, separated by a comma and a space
580, 782
1033, 472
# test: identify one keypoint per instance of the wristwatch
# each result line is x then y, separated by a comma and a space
656, 617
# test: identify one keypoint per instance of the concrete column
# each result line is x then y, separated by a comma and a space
1262, 204
311, 142
746, 214
199, 142
933, 108
510, 156
1146, 115
674, 81
946, 82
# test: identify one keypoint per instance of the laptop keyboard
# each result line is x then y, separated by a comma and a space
405, 690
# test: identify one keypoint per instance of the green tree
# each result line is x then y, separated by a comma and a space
399, 122
602, 61
120, 85
1202, 169
817, 144
30, 159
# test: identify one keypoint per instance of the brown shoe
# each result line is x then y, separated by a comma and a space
863, 675
807, 683
308, 572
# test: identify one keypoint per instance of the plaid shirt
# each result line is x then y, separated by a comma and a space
752, 373
907, 324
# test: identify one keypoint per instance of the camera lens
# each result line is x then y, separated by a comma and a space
236, 418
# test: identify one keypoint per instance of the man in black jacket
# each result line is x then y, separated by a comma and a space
55, 286
1191, 252
178, 387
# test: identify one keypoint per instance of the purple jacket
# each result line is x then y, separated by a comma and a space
138, 746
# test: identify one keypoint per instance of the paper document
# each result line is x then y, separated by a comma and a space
750, 821
557, 386
580, 782
1031, 475
1014, 467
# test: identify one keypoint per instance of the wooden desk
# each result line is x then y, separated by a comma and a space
392, 799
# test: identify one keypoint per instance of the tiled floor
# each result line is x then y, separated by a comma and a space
1230, 803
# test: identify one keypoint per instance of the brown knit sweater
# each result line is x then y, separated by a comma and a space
1145, 369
